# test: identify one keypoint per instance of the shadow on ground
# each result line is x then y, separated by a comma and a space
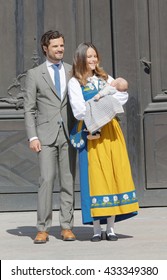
82, 233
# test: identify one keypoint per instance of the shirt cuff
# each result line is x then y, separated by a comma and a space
33, 138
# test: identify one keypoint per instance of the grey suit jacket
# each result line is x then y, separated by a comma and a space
43, 110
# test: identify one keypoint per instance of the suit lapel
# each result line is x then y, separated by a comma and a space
48, 79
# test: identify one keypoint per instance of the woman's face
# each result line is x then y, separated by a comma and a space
92, 59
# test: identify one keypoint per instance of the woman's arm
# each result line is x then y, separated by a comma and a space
76, 99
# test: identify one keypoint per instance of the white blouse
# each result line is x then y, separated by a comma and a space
76, 97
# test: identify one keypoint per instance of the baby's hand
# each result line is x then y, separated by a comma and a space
107, 89
97, 97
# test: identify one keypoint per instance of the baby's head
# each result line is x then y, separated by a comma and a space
120, 84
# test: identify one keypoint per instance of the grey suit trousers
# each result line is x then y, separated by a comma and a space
51, 158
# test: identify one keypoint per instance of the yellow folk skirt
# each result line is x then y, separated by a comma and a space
107, 186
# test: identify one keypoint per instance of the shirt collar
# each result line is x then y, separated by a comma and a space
49, 63
92, 79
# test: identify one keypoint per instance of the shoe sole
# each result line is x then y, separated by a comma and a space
41, 241
95, 240
115, 238
68, 239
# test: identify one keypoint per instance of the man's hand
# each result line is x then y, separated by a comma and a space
35, 145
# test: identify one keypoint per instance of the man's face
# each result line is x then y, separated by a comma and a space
55, 50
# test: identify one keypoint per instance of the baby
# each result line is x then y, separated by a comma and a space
119, 84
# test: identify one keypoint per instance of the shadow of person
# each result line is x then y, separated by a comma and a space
123, 236
23, 231
83, 233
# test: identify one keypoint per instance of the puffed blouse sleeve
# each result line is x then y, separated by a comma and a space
76, 99
121, 96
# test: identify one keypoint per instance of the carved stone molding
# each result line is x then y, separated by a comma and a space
17, 89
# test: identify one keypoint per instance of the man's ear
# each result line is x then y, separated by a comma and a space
45, 48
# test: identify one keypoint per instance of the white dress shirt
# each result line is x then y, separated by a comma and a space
62, 76
77, 100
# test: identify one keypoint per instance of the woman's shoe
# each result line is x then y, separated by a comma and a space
93, 136
96, 238
111, 237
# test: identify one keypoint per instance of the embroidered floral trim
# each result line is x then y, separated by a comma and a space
113, 200
90, 84
77, 144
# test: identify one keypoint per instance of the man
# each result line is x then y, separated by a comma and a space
48, 121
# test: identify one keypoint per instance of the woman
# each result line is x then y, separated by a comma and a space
107, 188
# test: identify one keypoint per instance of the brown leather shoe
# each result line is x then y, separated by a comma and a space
41, 237
67, 235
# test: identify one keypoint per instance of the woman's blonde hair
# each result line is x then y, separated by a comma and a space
80, 68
